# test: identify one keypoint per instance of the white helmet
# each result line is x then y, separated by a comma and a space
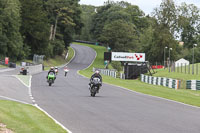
52, 68
97, 72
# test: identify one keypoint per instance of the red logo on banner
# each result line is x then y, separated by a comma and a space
138, 57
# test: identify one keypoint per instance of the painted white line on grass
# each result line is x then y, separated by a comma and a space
146, 94
20, 80
12, 99
53, 118
37, 106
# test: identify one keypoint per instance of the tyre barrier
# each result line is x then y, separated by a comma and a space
162, 81
193, 84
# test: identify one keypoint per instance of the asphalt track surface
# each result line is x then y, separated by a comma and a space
11, 88
113, 110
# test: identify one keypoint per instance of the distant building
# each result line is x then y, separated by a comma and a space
181, 62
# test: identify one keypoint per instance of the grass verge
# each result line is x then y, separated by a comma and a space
22, 118
58, 60
2, 66
181, 95
184, 75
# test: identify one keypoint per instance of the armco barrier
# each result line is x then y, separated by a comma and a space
193, 84
167, 82
35, 69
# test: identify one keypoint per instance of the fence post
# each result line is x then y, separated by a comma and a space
185, 68
189, 69
197, 68
181, 67
174, 67
178, 67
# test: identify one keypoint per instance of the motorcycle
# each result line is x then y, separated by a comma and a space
66, 71
94, 86
50, 78
56, 71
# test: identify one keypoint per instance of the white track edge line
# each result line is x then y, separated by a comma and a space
68, 61
12, 99
93, 59
38, 107
147, 94
72, 57
53, 118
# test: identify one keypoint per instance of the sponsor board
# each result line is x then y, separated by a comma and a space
121, 56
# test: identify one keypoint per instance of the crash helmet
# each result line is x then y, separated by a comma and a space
52, 68
56, 67
97, 72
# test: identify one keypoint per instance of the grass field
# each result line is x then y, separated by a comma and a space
181, 95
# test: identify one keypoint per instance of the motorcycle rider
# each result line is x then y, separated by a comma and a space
96, 75
66, 70
56, 70
51, 70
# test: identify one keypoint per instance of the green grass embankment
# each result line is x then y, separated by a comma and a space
58, 60
21, 118
181, 95
183, 75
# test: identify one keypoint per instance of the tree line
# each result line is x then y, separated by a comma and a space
125, 27
43, 27
47, 27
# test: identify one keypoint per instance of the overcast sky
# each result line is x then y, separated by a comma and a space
146, 5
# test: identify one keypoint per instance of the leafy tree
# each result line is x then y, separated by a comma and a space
35, 27
166, 15
113, 12
65, 16
189, 25
119, 35
86, 17
11, 44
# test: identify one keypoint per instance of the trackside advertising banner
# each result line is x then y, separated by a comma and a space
121, 56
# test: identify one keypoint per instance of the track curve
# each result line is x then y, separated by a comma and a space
114, 110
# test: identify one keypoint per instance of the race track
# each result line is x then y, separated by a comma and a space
113, 110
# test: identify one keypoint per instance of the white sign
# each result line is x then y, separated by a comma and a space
121, 56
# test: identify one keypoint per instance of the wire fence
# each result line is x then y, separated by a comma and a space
185, 68
38, 59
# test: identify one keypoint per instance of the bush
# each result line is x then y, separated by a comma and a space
116, 65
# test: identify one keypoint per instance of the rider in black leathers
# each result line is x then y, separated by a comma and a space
96, 75
51, 70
